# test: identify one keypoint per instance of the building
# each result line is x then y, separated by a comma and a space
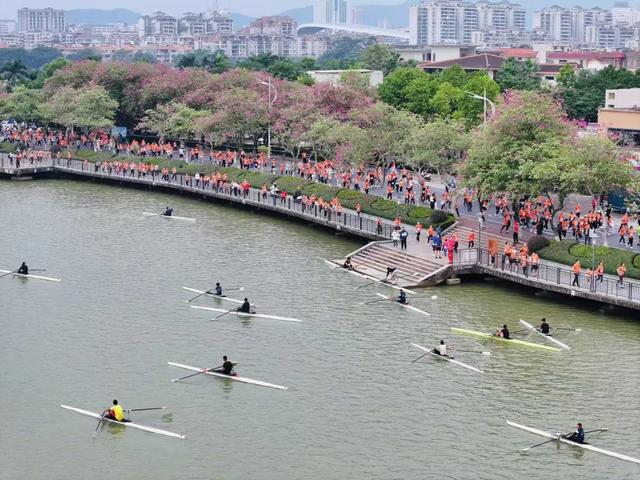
276, 25
330, 11
610, 37
620, 117
157, 24
501, 16
621, 13
593, 61
433, 53
334, 77
356, 16
193, 24
7, 27
554, 20
484, 62
41, 20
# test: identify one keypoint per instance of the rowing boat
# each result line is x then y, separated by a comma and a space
230, 377
448, 359
548, 337
126, 424
243, 314
585, 446
217, 297
368, 277
170, 217
37, 277
512, 341
405, 305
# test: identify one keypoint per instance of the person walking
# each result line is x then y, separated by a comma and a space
621, 270
395, 237
403, 239
576, 274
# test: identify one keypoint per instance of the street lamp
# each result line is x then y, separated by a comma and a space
485, 100
271, 102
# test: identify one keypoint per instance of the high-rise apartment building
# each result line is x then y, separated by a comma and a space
41, 20
157, 24
7, 27
435, 22
330, 11
622, 13
275, 25
554, 20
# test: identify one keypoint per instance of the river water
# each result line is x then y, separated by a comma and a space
356, 408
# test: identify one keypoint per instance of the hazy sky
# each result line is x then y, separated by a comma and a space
248, 7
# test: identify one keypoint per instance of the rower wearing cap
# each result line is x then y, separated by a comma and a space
402, 297
544, 327
245, 307
168, 212
347, 264
115, 412
218, 289
24, 270
227, 367
578, 435
503, 333
441, 349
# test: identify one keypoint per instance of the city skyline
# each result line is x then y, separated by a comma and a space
256, 8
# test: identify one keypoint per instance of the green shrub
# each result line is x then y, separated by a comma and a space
537, 243
6, 147
439, 216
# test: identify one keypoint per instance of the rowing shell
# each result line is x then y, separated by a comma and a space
170, 217
37, 277
368, 277
448, 359
209, 294
585, 446
230, 377
405, 305
548, 337
126, 424
242, 314
512, 341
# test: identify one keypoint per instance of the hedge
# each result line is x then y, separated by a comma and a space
568, 251
6, 147
371, 204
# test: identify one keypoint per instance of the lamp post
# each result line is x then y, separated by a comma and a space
485, 100
271, 102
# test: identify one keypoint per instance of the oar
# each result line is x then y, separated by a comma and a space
201, 294
145, 409
240, 289
225, 313
95, 433
380, 300
562, 436
367, 284
37, 269
427, 353
566, 328
194, 374
8, 273
473, 351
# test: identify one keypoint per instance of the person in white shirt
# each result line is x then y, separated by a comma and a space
441, 349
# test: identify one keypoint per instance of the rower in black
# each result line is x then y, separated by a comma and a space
218, 289
347, 264
168, 212
402, 297
245, 307
227, 367
24, 270
544, 327
504, 333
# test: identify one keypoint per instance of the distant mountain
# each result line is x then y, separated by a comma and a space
94, 16
240, 20
302, 14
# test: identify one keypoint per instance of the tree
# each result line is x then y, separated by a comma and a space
454, 75
216, 62
343, 52
516, 75
393, 88
447, 101
174, 119
89, 107
14, 72
22, 104
437, 145
379, 57
33, 59
527, 131
48, 70
472, 109
86, 54
285, 69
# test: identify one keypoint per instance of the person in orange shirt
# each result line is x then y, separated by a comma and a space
630, 234
600, 271
576, 274
471, 239
535, 261
621, 270
589, 274
418, 231
623, 233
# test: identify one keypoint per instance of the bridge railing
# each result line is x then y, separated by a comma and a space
551, 273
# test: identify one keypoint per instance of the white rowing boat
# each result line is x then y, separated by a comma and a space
37, 277
548, 337
368, 277
585, 446
230, 377
242, 314
126, 424
170, 217
213, 295
405, 305
448, 359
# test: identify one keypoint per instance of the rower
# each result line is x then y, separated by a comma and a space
168, 212
402, 297
347, 264
245, 307
503, 332
544, 327
578, 435
218, 289
227, 367
441, 349
24, 270
115, 412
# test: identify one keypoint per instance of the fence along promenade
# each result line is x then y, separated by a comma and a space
551, 276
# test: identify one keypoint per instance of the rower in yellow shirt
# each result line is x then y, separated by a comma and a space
115, 412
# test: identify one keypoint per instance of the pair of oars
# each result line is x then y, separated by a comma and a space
95, 433
210, 292
598, 430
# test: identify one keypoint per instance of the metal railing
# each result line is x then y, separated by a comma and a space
548, 273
